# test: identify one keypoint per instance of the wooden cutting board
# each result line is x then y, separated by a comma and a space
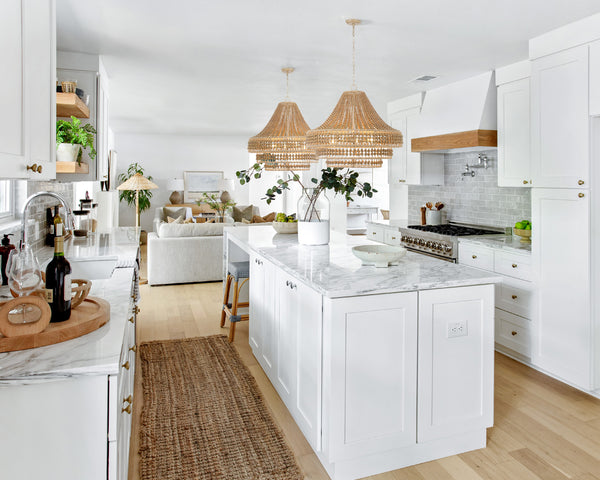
90, 315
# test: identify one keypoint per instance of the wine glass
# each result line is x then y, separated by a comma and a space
24, 278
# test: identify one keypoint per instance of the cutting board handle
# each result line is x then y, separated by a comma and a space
32, 304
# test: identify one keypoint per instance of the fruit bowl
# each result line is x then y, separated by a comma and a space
285, 227
524, 234
379, 255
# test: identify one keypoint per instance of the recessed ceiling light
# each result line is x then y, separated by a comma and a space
424, 78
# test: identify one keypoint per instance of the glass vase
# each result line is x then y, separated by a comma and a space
313, 217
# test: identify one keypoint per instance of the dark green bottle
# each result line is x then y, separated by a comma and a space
58, 283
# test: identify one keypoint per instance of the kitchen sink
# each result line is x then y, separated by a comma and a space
91, 268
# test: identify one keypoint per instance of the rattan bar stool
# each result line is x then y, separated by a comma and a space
236, 271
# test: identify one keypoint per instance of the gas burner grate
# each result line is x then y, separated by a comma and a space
453, 230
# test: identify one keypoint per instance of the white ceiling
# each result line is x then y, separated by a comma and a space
213, 67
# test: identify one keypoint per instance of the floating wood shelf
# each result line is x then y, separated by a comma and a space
471, 138
72, 167
68, 104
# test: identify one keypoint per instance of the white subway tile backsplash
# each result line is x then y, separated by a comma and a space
477, 200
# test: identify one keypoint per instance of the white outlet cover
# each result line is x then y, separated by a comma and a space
457, 329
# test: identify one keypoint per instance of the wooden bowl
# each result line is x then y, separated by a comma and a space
79, 291
524, 234
285, 227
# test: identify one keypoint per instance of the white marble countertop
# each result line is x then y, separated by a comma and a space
504, 242
335, 272
395, 224
96, 353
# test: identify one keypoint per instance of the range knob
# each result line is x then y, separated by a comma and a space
421, 242
436, 246
448, 248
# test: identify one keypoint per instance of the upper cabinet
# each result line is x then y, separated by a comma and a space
595, 78
514, 152
559, 119
27, 100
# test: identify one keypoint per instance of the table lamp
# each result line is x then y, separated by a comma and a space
137, 182
175, 184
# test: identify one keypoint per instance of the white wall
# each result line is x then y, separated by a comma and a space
168, 156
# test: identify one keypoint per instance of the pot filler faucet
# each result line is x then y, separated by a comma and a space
482, 162
68, 220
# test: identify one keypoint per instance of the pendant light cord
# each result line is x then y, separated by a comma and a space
353, 58
287, 85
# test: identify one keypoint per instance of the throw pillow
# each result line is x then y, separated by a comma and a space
257, 219
240, 213
174, 212
175, 220
189, 220
270, 217
246, 222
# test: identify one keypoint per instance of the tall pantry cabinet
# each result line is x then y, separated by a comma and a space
563, 214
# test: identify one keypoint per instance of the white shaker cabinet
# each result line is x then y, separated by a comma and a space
514, 153
595, 78
371, 382
27, 99
559, 119
398, 166
561, 259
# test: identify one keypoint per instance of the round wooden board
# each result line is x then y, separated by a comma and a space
92, 314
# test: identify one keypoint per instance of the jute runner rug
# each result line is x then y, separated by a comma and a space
203, 416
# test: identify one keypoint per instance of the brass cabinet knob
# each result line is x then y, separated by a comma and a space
581, 195
126, 365
393, 238
129, 399
525, 182
127, 409
131, 319
580, 182
514, 265
133, 349
474, 256
513, 333
136, 310
514, 297
35, 168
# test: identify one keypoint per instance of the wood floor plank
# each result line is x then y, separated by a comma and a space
543, 429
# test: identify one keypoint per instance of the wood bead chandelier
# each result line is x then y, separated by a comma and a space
354, 135
282, 143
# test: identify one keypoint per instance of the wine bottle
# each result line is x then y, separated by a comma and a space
58, 283
58, 224
50, 232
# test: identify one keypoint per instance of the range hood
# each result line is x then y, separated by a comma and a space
459, 117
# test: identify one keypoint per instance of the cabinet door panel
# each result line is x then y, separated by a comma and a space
268, 320
562, 321
372, 381
286, 340
514, 155
255, 292
560, 123
460, 365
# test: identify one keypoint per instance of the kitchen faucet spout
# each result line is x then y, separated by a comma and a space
68, 220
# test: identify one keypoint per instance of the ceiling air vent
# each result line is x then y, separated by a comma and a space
425, 78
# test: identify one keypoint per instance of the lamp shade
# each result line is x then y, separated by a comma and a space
175, 184
137, 182
226, 185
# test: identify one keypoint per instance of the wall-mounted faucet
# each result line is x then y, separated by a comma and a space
468, 172
68, 220
482, 162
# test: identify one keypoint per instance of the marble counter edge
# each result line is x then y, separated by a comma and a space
491, 242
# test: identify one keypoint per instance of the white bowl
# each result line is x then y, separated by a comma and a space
285, 227
379, 255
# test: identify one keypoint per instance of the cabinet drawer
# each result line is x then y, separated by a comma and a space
391, 237
513, 332
515, 296
375, 233
476, 256
513, 265
112, 407
112, 460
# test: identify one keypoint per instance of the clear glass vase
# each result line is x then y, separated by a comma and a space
313, 217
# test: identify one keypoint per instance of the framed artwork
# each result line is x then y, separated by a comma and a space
197, 183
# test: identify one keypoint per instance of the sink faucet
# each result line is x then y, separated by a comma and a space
68, 220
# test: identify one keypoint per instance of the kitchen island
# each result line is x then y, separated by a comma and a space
62, 407
380, 368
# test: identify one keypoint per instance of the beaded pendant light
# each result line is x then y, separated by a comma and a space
282, 143
354, 135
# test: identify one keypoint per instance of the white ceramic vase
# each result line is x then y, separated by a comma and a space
313, 217
313, 233
67, 152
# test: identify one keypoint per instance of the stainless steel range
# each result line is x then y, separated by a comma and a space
441, 241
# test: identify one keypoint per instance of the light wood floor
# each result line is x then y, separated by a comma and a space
544, 430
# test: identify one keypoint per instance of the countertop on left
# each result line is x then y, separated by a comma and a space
96, 353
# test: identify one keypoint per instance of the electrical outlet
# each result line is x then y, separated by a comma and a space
457, 329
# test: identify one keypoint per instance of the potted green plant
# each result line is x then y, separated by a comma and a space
214, 202
72, 138
313, 205
129, 195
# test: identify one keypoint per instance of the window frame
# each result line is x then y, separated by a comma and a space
9, 214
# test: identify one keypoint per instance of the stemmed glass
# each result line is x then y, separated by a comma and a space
24, 278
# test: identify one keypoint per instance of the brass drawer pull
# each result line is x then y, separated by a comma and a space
474, 256
136, 310
580, 182
127, 409
35, 168
129, 399
393, 238
402, 181
133, 349
581, 195
131, 319
514, 297
513, 333
514, 265
126, 365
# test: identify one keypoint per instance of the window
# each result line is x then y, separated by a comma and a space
7, 200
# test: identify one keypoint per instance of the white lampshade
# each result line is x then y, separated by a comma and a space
175, 184
226, 185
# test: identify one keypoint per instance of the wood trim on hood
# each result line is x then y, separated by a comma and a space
449, 141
